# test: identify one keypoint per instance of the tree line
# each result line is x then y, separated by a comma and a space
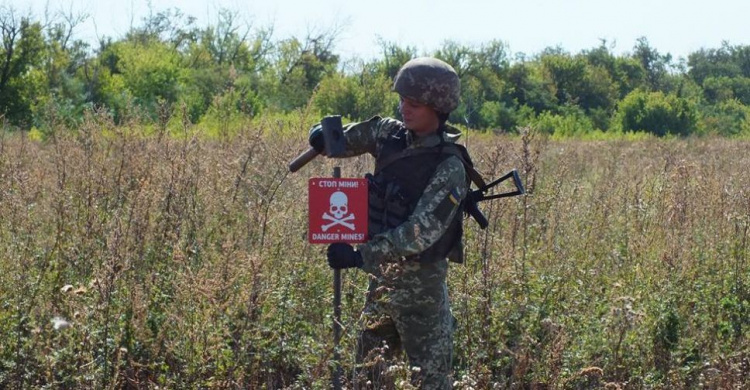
234, 71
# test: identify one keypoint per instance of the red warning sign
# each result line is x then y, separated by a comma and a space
337, 210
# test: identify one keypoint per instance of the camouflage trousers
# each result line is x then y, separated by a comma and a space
408, 310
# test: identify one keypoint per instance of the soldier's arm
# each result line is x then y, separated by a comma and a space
429, 221
363, 137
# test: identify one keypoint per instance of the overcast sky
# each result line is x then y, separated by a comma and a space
671, 26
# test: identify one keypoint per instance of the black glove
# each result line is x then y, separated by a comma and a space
342, 255
316, 138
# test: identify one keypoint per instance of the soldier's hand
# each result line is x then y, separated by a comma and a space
316, 138
342, 255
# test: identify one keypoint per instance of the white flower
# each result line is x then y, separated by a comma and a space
60, 323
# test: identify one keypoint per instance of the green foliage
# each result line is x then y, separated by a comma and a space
220, 57
230, 111
529, 88
655, 64
393, 57
719, 89
728, 118
573, 124
576, 82
727, 61
482, 71
734, 317
665, 338
299, 67
149, 71
626, 73
358, 97
168, 63
497, 115
21, 56
656, 113
137, 73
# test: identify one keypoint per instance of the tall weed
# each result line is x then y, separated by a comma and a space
171, 257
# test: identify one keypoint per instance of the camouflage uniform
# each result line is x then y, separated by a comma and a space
407, 304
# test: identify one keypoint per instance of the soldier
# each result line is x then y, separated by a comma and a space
415, 225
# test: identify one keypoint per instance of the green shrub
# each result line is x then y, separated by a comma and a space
727, 118
655, 112
573, 124
356, 96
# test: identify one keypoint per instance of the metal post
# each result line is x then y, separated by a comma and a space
336, 377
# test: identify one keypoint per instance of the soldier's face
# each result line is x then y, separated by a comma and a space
418, 117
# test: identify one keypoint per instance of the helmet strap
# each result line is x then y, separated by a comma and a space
442, 118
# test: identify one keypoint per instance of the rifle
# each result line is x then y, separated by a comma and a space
471, 203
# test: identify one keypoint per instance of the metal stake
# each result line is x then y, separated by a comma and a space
336, 377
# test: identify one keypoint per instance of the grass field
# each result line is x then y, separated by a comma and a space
131, 261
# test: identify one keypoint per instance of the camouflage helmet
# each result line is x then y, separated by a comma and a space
429, 81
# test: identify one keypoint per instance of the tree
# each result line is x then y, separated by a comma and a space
580, 83
657, 113
299, 65
655, 64
394, 57
576, 82
226, 56
528, 87
357, 96
484, 91
719, 89
21, 59
723, 73
145, 74
726, 61
171, 26
63, 90
626, 72
727, 118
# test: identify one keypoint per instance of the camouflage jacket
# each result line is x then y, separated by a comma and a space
423, 228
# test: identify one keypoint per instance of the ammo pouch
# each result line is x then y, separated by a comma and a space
387, 206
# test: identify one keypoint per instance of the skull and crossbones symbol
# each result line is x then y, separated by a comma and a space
339, 207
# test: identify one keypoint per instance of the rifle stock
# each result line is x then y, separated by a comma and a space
471, 205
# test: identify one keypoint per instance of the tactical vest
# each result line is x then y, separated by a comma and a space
401, 176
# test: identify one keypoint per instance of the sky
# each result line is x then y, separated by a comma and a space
678, 27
